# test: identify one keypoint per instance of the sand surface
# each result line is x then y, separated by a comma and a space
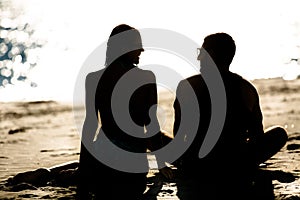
43, 134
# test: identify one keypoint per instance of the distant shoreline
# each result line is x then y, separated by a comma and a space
16, 96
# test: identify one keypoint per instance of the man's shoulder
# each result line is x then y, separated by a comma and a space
244, 84
193, 84
197, 77
192, 80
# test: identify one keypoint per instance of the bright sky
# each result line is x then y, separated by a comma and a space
267, 33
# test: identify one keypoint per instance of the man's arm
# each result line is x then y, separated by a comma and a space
251, 96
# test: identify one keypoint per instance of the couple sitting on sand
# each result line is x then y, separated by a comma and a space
124, 98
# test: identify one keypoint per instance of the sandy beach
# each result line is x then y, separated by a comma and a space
43, 134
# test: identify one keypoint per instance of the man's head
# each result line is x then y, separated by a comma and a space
124, 39
221, 48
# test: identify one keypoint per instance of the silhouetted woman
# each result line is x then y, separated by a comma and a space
120, 97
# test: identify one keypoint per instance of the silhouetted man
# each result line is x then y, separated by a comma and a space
231, 165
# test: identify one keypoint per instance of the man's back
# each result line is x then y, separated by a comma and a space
243, 117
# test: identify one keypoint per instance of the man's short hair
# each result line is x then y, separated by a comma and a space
221, 47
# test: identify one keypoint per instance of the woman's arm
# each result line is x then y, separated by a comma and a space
90, 124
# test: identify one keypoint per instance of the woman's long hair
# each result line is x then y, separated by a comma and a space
122, 39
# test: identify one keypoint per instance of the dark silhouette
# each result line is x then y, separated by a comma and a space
230, 170
119, 75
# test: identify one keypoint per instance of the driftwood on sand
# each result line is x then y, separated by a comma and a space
64, 174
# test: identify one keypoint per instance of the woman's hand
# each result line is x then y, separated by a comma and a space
167, 172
